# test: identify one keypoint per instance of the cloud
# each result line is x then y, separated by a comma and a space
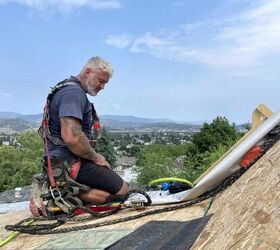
5, 94
121, 41
250, 38
66, 5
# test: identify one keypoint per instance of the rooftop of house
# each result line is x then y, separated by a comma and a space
125, 160
245, 215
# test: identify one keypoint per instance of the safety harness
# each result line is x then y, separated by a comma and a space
44, 128
56, 185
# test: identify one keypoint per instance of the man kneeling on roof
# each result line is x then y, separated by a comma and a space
68, 124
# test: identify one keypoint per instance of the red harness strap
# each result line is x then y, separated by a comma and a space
74, 170
98, 209
50, 171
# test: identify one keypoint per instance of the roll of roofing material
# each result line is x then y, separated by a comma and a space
231, 162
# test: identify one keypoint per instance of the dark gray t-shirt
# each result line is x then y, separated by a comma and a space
70, 101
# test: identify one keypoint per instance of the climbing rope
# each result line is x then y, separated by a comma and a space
270, 140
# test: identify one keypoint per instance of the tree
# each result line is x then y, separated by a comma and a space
105, 148
219, 132
32, 144
196, 164
152, 163
18, 165
133, 151
9, 166
206, 146
155, 161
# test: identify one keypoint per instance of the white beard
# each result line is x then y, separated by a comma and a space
90, 90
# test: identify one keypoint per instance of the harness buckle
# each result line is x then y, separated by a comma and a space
59, 201
136, 204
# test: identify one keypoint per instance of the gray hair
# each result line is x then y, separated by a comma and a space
99, 63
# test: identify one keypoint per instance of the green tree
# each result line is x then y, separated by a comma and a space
205, 147
155, 161
133, 151
152, 163
32, 144
246, 126
208, 145
9, 166
196, 164
104, 147
213, 134
18, 165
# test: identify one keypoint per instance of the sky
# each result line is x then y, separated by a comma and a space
186, 60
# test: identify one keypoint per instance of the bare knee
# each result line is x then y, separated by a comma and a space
123, 190
94, 196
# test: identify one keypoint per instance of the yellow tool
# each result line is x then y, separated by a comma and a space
14, 234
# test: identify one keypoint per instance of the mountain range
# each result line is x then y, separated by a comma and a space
16, 122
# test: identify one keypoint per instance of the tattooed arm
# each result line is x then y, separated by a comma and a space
77, 142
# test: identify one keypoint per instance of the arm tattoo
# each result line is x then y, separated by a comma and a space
74, 131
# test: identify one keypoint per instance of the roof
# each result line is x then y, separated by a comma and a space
126, 160
245, 216
24, 241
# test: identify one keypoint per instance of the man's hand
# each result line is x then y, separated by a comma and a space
101, 161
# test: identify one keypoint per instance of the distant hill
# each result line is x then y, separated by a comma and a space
17, 122
132, 119
9, 115
173, 125
28, 118
32, 118
134, 123
118, 125
10, 126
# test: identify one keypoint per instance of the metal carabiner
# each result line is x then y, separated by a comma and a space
59, 201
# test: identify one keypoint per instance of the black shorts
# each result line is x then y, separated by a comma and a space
99, 177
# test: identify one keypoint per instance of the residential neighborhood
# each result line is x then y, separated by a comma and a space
126, 146
129, 143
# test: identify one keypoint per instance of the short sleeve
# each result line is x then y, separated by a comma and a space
72, 102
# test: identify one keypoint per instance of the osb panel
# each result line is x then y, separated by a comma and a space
264, 236
179, 215
87, 239
25, 241
244, 214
